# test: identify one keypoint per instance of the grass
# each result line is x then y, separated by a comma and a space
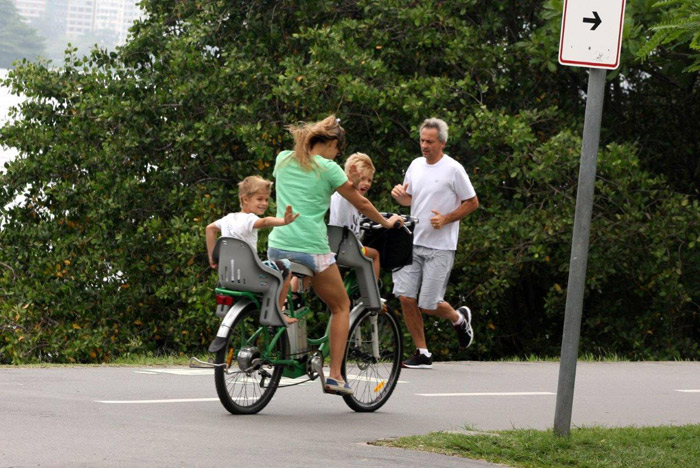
136, 360
585, 357
665, 446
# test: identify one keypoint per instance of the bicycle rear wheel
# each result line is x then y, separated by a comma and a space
372, 361
249, 382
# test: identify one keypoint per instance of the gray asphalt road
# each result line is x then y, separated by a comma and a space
119, 417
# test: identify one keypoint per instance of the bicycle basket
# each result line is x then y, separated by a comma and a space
395, 247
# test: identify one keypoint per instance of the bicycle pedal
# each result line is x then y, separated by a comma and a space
317, 366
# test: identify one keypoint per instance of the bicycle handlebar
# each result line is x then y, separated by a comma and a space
367, 224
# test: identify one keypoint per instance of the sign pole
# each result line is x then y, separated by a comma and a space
591, 36
579, 251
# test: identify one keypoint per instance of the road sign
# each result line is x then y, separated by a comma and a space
591, 33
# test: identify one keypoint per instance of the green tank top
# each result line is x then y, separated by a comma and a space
309, 194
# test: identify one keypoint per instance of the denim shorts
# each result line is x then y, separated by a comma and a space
426, 278
317, 262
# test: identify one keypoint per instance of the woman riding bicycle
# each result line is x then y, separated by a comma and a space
306, 178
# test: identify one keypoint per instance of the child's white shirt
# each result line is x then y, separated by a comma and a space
343, 213
240, 226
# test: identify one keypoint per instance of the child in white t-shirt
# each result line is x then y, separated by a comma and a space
254, 195
360, 172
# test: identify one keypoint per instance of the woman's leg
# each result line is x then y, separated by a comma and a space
328, 285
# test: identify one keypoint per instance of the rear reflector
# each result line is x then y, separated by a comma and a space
224, 300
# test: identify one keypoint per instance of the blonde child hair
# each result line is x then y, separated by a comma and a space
252, 185
362, 164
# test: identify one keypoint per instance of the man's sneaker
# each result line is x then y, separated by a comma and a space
338, 387
418, 361
465, 333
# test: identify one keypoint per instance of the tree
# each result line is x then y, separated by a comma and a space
680, 28
652, 104
17, 39
125, 156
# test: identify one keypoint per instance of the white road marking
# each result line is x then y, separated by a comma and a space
285, 380
689, 391
184, 371
371, 379
485, 394
174, 400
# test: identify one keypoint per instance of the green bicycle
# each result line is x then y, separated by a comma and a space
255, 348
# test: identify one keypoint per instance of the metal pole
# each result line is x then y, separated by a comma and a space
579, 251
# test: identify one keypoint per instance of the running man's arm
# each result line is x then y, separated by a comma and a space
400, 194
464, 209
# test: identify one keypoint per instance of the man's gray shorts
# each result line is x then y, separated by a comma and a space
427, 275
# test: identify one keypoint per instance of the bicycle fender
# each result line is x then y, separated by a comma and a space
355, 312
220, 340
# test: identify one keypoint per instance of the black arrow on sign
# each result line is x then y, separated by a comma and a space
594, 21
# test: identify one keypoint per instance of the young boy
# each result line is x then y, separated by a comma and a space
360, 172
254, 195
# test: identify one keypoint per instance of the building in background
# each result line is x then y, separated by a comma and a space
30, 9
80, 17
75, 18
116, 15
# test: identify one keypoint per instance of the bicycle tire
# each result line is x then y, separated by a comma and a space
372, 376
248, 392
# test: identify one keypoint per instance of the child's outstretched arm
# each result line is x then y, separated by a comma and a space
212, 233
271, 221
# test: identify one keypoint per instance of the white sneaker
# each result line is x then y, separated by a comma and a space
465, 333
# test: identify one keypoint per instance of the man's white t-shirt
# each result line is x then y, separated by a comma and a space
240, 226
343, 213
442, 187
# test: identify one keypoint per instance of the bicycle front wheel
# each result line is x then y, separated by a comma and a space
372, 361
248, 382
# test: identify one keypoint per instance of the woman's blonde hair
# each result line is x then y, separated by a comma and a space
306, 135
252, 185
362, 163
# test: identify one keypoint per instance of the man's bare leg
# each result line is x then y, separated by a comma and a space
444, 310
414, 320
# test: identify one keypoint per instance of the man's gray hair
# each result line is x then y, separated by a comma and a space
439, 124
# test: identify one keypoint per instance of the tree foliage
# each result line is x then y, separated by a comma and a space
17, 39
126, 156
652, 104
679, 27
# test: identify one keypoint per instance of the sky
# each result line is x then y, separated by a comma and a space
6, 101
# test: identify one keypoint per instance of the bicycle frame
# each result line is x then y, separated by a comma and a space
255, 346
293, 367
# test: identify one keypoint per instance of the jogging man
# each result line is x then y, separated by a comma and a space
440, 194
